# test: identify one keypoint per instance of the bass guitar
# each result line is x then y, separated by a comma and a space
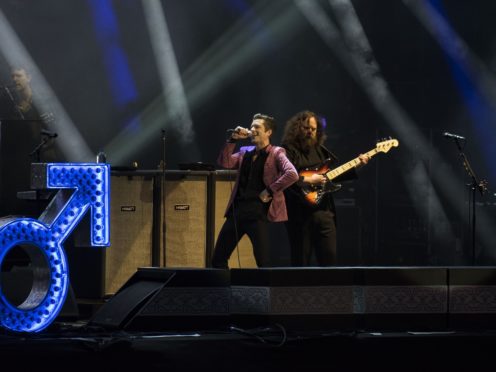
313, 194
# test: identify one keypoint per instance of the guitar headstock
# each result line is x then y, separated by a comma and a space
385, 145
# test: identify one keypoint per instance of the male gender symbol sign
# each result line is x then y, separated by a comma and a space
82, 186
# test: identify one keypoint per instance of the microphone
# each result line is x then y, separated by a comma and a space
454, 136
248, 132
49, 134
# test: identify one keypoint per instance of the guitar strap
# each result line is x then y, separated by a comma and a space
329, 153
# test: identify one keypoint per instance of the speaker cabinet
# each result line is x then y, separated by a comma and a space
242, 256
175, 231
160, 299
137, 230
131, 224
185, 215
100, 272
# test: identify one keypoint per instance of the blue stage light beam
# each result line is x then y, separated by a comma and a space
116, 63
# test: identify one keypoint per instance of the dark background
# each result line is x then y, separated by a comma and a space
410, 206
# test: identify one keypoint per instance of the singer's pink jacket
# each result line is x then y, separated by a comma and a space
279, 173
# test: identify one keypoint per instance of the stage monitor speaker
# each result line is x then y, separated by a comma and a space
121, 308
185, 219
242, 256
159, 299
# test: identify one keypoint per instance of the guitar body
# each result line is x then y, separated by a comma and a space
313, 194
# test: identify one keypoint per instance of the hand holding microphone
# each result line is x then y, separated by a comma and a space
239, 133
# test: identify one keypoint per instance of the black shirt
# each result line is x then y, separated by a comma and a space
247, 203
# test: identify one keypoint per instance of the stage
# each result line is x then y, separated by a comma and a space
108, 264
73, 346
406, 318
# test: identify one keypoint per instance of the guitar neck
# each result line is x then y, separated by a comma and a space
349, 165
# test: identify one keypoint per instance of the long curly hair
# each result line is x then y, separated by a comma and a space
293, 130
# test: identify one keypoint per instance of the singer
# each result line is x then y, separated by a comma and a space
257, 198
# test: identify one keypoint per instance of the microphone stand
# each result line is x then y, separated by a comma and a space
37, 150
164, 227
36, 153
475, 185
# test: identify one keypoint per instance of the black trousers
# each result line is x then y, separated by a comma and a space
312, 231
231, 233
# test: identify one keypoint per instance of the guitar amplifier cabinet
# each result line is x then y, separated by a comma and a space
185, 213
131, 229
100, 272
178, 231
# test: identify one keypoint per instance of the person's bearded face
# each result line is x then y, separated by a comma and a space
309, 133
309, 141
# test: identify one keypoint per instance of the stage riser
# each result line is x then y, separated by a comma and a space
472, 293
339, 300
209, 299
343, 307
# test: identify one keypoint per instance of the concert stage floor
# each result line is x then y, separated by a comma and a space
73, 348
401, 318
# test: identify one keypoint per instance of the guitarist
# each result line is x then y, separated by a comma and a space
311, 227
